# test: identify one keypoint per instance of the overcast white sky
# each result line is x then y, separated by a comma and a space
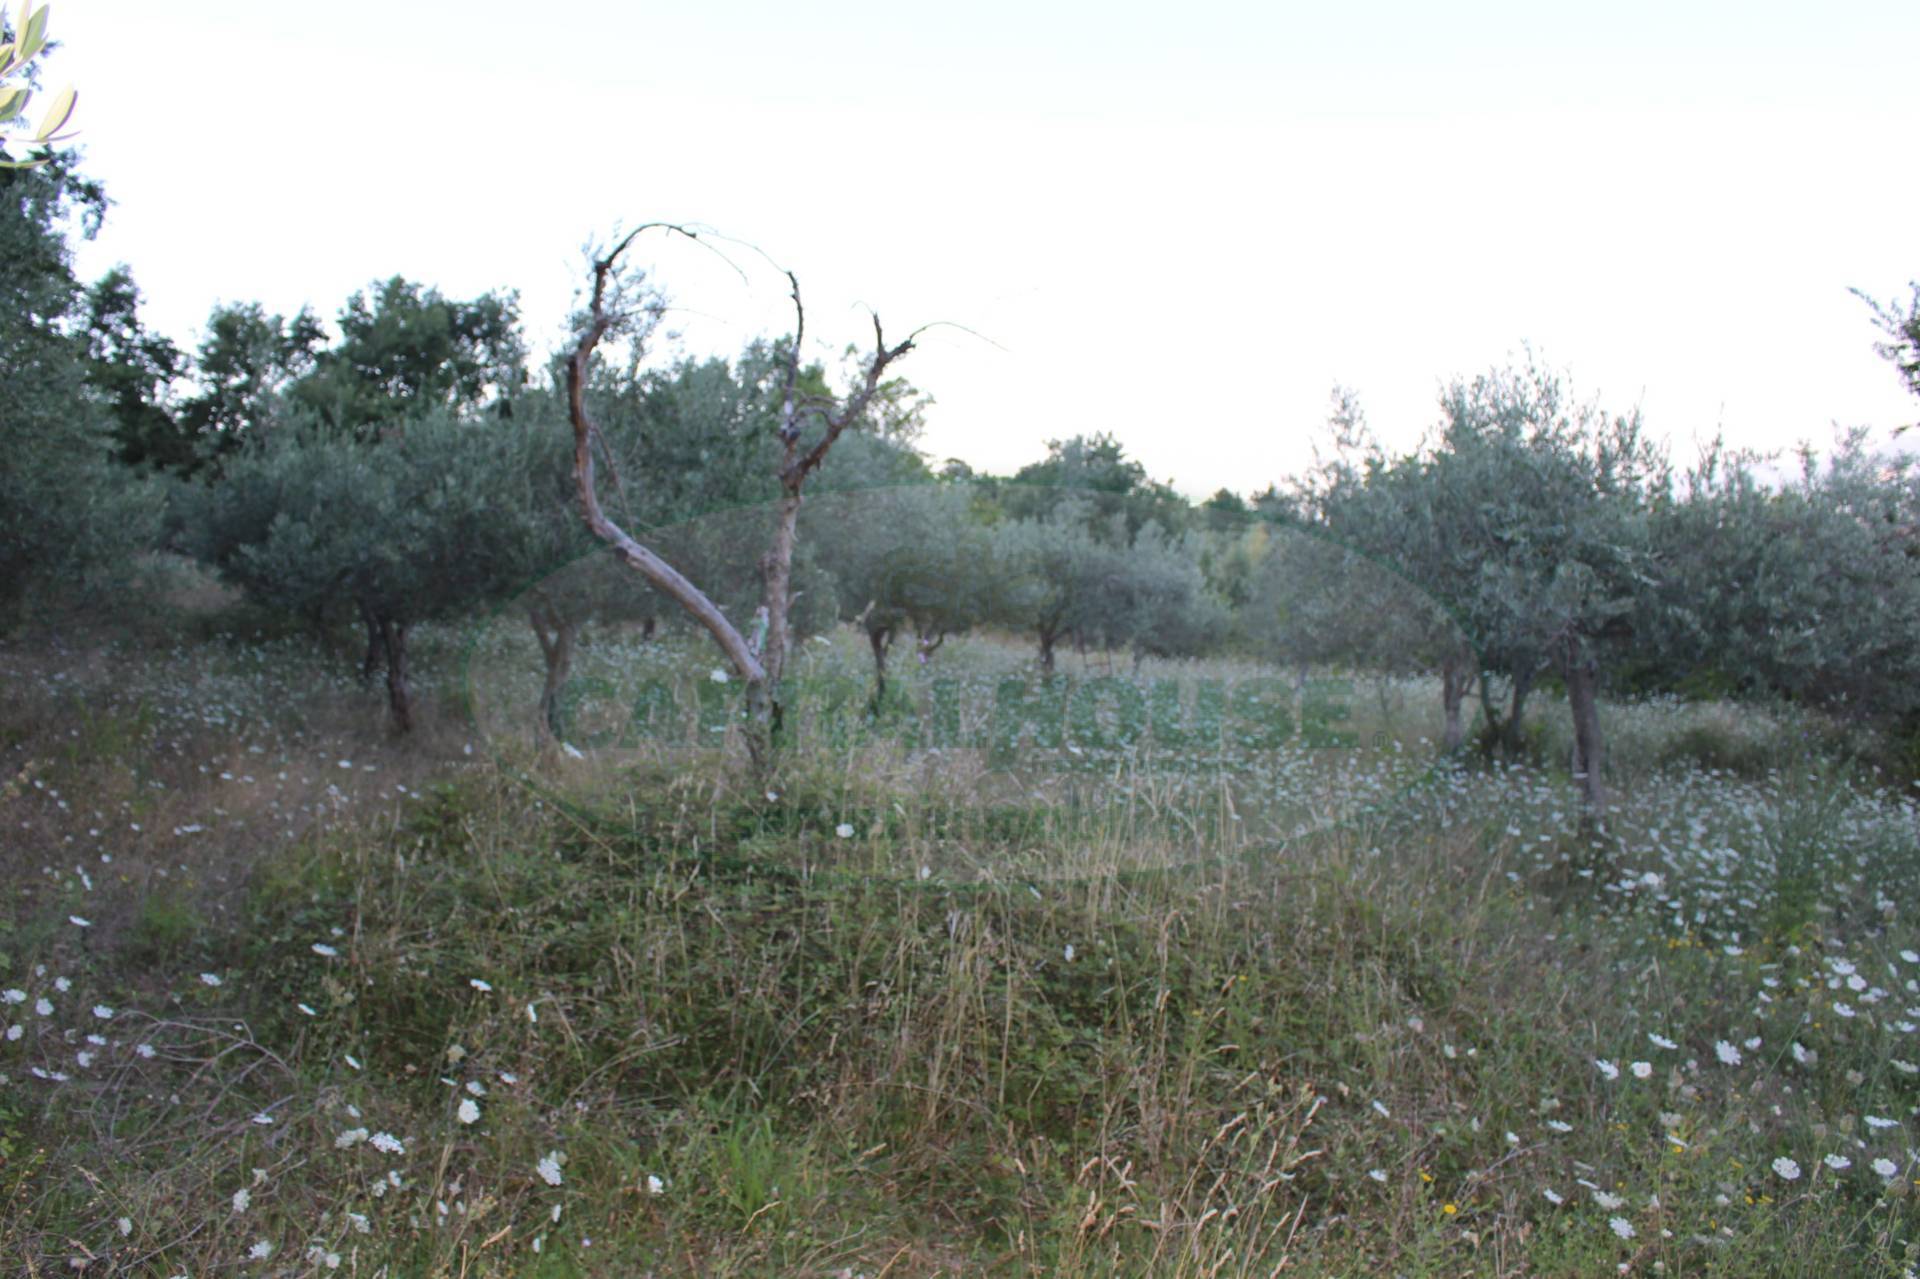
1181, 224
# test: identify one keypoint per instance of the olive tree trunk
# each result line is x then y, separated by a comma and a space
880, 640
376, 655
1048, 638
1580, 668
393, 638
1456, 676
556, 634
1503, 732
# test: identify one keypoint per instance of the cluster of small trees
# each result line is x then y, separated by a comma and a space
946, 558
1560, 545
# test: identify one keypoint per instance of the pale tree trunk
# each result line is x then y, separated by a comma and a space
1581, 670
663, 576
776, 602
759, 664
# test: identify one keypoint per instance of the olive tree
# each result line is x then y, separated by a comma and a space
1348, 574
904, 559
1047, 573
1152, 597
1527, 516
418, 525
1807, 589
1552, 540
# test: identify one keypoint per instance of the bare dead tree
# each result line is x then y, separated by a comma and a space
798, 462
761, 659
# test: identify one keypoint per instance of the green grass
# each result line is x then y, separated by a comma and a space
758, 1047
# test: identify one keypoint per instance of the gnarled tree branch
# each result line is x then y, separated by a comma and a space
662, 575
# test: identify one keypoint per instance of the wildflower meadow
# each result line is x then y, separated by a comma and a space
284, 995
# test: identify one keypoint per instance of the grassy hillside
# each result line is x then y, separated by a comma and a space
286, 998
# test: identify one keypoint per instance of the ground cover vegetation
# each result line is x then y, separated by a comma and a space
1495, 857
